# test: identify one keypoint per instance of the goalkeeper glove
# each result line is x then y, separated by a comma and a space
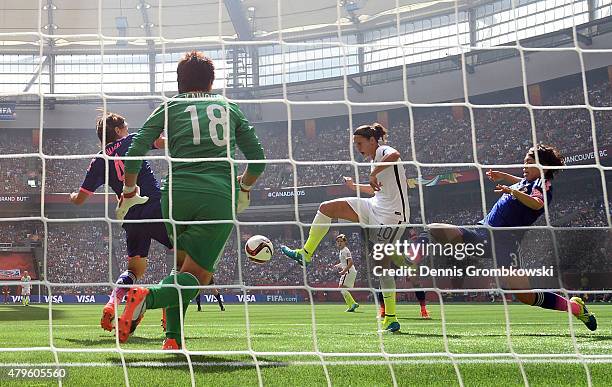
244, 197
129, 198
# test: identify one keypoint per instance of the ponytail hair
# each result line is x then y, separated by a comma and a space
547, 155
375, 130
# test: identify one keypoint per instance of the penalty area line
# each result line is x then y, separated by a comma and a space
242, 364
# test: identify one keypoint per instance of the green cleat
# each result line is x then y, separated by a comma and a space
353, 307
585, 316
390, 324
298, 255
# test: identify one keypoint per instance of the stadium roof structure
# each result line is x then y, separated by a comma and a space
66, 46
75, 23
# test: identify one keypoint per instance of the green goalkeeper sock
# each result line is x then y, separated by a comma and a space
167, 297
173, 322
316, 234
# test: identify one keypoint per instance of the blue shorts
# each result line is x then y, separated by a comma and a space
138, 236
507, 243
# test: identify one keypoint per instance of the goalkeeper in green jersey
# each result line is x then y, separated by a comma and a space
199, 124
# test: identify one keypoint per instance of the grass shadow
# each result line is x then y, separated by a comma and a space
433, 335
417, 319
586, 336
29, 313
111, 340
202, 364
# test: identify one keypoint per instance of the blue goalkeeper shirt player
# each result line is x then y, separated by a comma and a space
138, 236
148, 184
510, 212
520, 205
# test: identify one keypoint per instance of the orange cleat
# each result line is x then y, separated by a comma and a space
108, 317
170, 344
135, 308
425, 314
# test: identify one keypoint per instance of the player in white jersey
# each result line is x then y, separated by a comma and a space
388, 208
25, 288
348, 272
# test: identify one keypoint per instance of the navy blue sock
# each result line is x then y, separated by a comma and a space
219, 301
381, 298
126, 278
545, 300
548, 300
420, 295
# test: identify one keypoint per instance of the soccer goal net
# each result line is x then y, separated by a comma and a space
468, 245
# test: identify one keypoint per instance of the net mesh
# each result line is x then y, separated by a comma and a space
457, 46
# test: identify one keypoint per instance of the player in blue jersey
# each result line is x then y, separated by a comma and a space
138, 236
521, 204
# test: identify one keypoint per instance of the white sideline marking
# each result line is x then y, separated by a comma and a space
238, 364
415, 321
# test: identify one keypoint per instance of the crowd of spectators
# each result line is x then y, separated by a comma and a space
502, 136
20, 233
14, 171
79, 252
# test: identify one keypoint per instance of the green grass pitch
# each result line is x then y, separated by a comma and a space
470, 329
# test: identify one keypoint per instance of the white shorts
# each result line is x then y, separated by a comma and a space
348, 280
384, 234
25, 292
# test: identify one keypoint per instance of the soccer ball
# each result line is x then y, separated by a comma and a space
259, 249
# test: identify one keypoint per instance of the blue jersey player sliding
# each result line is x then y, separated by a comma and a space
118, 141
521, 204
